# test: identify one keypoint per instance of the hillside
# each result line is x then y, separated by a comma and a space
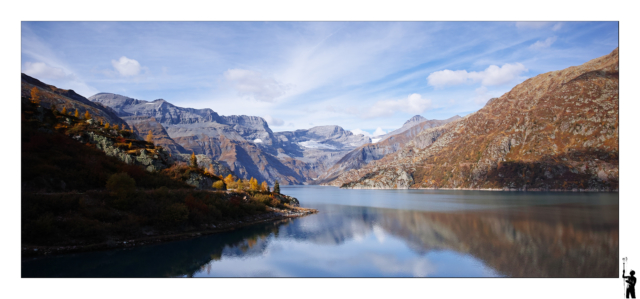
244, 144
555, 131
364, 154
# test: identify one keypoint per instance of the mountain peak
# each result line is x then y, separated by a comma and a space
415, 119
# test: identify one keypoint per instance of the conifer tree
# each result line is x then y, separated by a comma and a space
35, 95
229, 179
150, 137
54, 109
87, 115
253, 184
240, 185
194, 160
276, 187
64, 110
76, 114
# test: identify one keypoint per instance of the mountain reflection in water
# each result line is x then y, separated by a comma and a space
567, 239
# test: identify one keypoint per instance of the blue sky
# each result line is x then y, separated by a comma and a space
363, 76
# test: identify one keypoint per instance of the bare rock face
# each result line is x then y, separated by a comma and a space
338, 174
555, 131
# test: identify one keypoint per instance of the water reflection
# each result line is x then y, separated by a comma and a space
563, 239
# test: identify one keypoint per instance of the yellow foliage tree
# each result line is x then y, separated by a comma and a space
193, 160
35, 95
264, 187
253, 184
76, 114
64, 110
229, 179
87, 115
240, 185
150, 137
116, 127
129, 145
106, 126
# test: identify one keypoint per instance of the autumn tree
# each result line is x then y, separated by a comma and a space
229, 179
64, 110
276, 187
35, 95
54, 109
106, 126
87, 115
101, 123
115, 127
193, 160
76, 114
240, 185
130, 145
219, 185
150, 137
253, 184
264, 187
211, 170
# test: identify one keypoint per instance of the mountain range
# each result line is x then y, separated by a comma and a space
555, 131
558, 130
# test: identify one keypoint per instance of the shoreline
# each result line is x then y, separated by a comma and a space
30, 251
491, 189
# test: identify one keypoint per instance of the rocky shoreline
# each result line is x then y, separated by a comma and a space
273, 214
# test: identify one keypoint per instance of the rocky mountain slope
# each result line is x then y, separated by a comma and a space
69, 99
363, 155
244, 144
555, 131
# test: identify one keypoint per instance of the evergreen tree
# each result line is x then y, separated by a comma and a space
229, 179
54, 109
35, 95
194, 160
150, 137
253, 184
240, 185
276, 187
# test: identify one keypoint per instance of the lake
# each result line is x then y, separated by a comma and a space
385, 233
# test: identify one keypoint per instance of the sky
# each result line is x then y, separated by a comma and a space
367, 77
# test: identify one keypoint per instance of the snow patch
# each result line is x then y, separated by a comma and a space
375, 140
315, 144
257, 140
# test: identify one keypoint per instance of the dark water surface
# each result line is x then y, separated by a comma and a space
386, 233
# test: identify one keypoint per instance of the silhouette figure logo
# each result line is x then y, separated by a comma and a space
629, 281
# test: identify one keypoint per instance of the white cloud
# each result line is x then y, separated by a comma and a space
272, 121
379, 132
360, 132
543, 44
493, 75
41, 70
254, 84
557, 27
126, 67
413, 104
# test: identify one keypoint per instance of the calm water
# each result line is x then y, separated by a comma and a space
386, 233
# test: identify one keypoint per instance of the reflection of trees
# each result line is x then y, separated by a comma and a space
565, 241
172, 259
539, 241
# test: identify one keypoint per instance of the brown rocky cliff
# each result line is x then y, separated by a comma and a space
555, 131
